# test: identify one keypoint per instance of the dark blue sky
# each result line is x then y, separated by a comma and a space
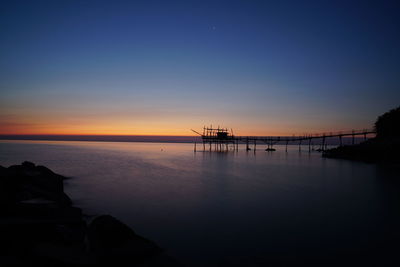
163, 67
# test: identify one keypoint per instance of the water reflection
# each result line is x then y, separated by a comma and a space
230, 207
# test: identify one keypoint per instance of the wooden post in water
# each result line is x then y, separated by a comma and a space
309, 145
255, 144
194, 146
286, 145
340, 138
247, 144
300, 146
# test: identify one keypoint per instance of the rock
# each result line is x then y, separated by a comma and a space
373, 150
54, 230
114, 242
28, 165
38, 226
49, 254
39, 209
30, 190
27, 181
8, 190
46, 171
108, 231
49, 182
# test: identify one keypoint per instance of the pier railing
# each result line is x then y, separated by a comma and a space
221, 142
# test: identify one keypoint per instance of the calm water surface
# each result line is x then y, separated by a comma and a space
223, 208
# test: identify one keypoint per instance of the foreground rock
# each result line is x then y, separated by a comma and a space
114, 242
39, 226
27, 181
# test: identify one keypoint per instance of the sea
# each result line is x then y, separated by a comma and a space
230, 208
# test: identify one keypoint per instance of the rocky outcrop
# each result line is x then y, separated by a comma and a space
27, 181
114, 242
373, 150
39, 226
384, 147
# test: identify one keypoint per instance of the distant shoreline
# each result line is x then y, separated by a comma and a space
105, 138
136, 138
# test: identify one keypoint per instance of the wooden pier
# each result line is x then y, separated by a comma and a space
221, 139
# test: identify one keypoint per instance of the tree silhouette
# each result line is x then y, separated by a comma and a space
388, 124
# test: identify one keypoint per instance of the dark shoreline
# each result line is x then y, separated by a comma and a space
375, 150
40, 226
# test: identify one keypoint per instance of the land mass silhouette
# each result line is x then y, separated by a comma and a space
384, 147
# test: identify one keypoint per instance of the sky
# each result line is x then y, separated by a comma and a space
165, 67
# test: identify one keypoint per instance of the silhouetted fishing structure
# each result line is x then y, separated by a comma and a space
222, 139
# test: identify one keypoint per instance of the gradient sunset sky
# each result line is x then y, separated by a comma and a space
164, 67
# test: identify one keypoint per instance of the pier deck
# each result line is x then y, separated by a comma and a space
222, 139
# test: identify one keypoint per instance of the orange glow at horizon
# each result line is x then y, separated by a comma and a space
56, 122
147, 128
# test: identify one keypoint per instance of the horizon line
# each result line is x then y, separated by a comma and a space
166, 135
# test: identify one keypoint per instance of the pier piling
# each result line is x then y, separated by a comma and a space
221, 139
